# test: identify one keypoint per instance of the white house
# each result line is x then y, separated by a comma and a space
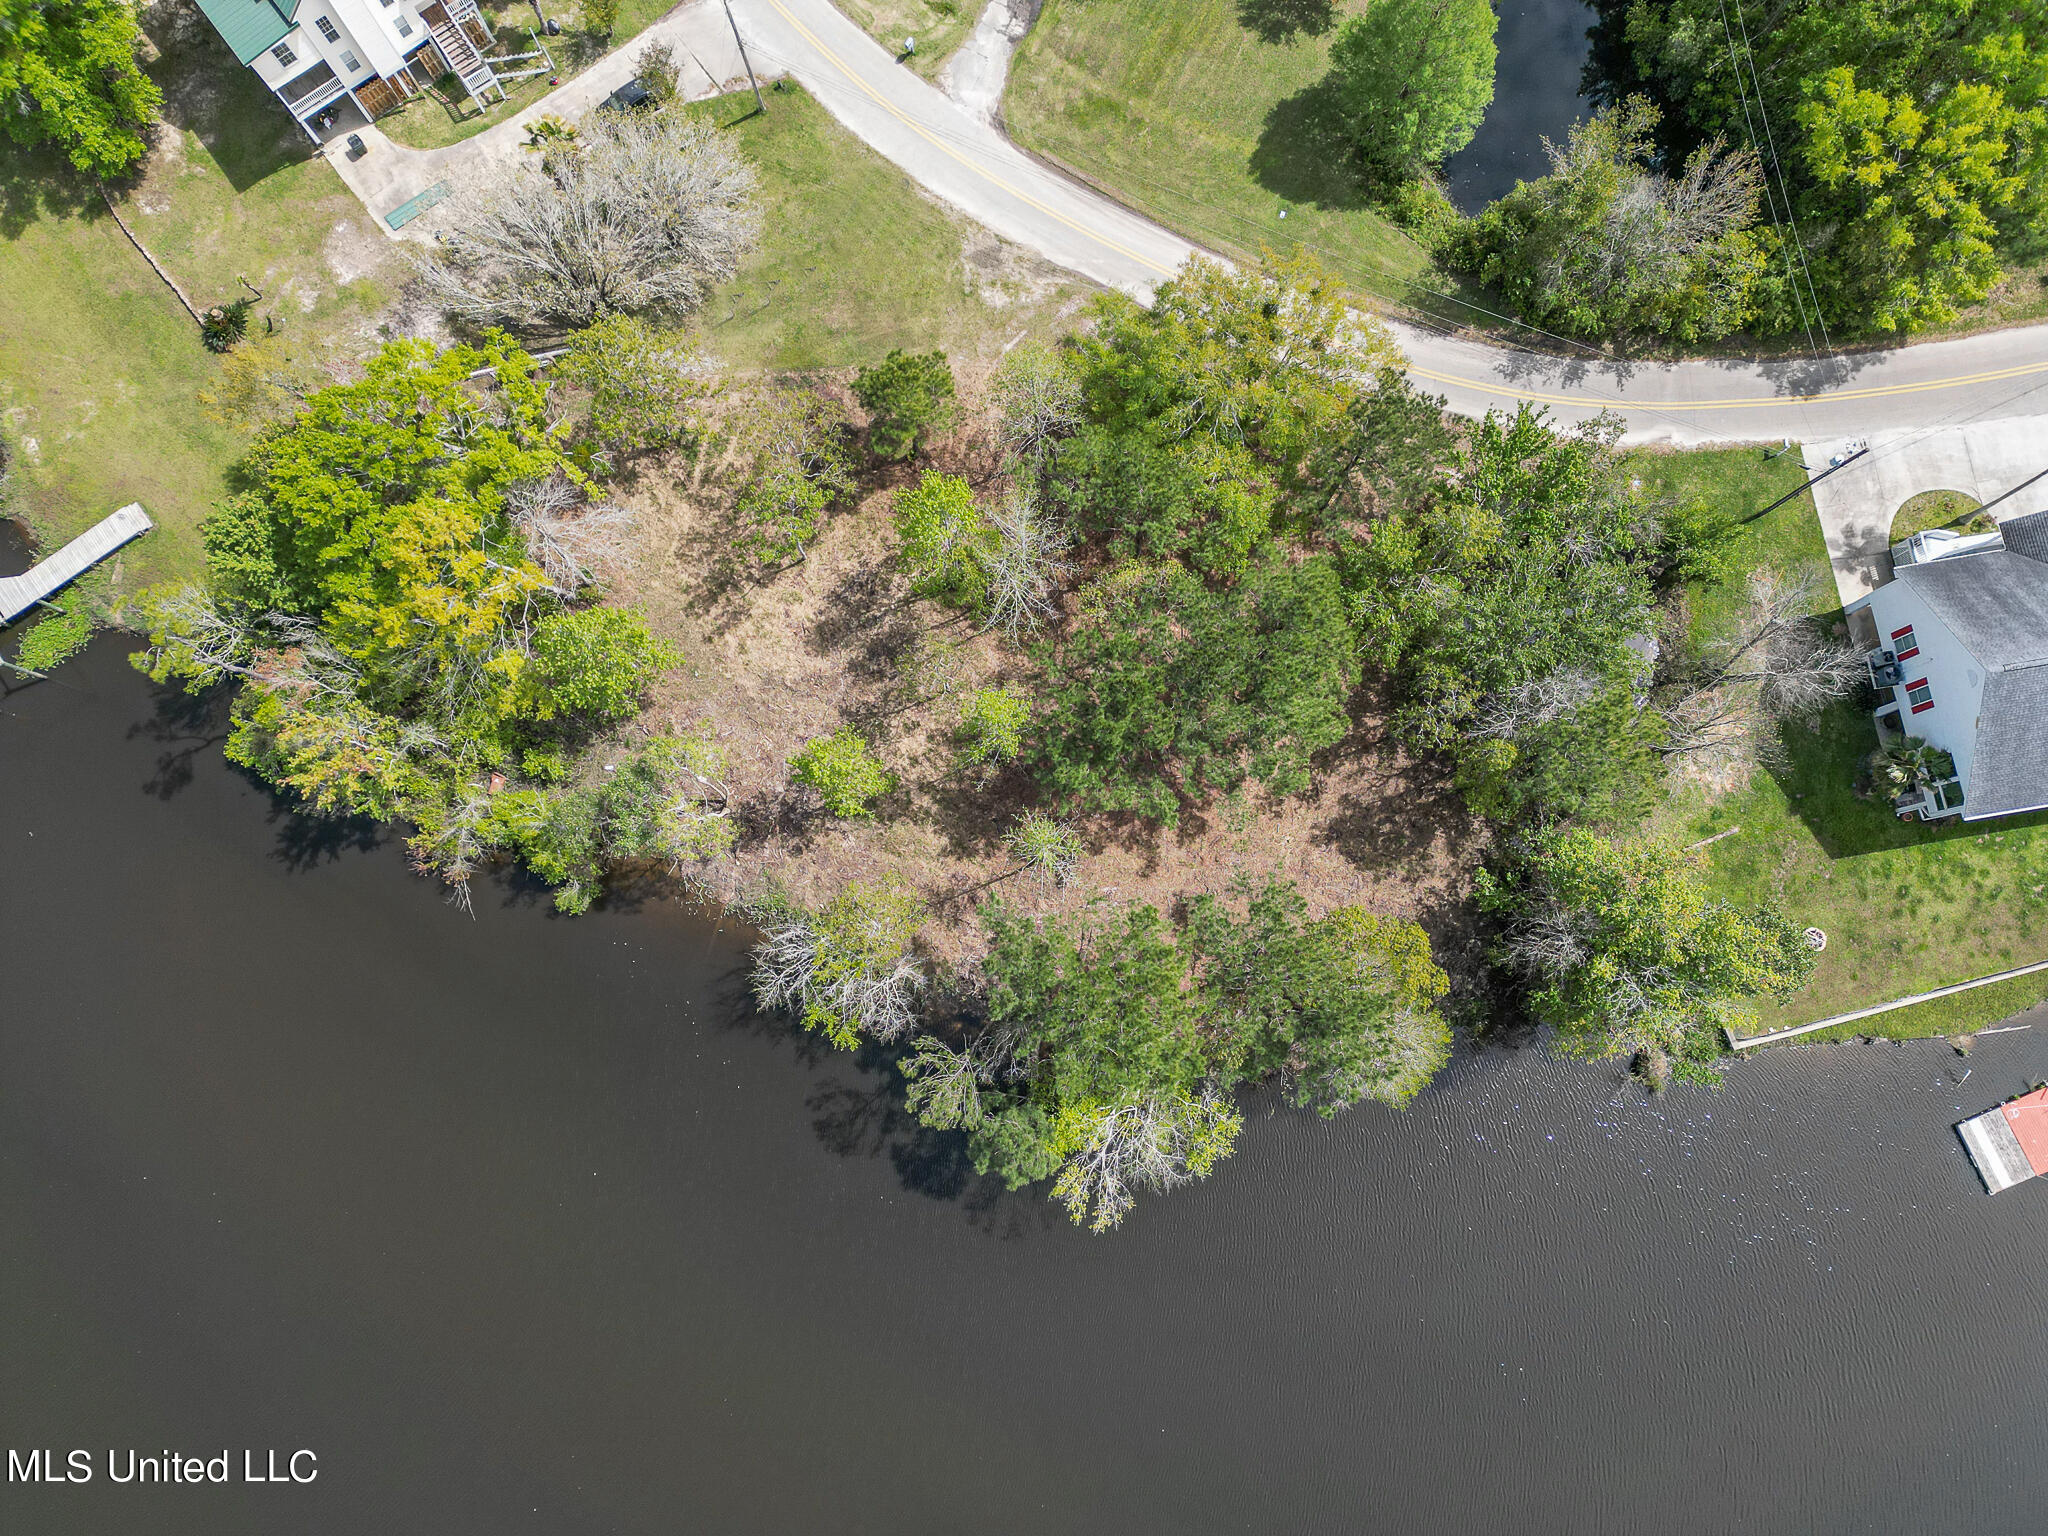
313, 54
1961, 660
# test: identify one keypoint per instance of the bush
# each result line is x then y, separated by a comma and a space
946, 542
225, 324
908, 396
844, 771
600, 17
660, 73
800, 468
992, 726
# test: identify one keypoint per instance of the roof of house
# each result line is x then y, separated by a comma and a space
1996, 605
250, 26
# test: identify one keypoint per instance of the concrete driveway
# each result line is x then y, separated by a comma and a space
1983, 459
389, 174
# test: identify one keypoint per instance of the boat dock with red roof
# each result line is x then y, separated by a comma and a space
2009, 1144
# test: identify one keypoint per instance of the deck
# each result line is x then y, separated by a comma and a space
2009, 1144
20, 593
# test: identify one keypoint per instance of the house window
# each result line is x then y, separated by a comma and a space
284, 55
404, 27
1903, 643
327, 29
1919, 695
348, 61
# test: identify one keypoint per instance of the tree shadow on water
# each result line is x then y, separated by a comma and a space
1281, 21
185, 724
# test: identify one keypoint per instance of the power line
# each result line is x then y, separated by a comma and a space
1770, 203
1778, 169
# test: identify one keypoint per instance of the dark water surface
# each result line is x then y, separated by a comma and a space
522, 1226
1542, 45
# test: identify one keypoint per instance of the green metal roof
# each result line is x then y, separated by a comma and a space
250, 26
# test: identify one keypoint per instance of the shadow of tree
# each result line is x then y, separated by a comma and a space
1304, 155
1281, 21
187, 724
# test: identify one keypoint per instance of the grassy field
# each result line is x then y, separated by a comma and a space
446, 115
1906, 907
1183, 110
855, 260
940, 26
100, 367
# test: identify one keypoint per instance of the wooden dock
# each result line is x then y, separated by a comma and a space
20, 593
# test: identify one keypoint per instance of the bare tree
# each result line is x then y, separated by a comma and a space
1538, 702
1157, 1142
649, 213
1779, 664
572, 540
1025, 564
194, 637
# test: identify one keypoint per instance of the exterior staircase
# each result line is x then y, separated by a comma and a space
470, 67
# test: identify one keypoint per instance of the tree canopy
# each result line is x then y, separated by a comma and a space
1908, 142
69, 77
401, 584
1415, 78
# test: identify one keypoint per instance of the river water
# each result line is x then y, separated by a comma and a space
522, 1224
1542, 45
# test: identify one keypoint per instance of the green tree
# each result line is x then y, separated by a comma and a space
1166, 689
844, 771
1509, 605
944, 540
1120, 1082
594, 664
645, 387
800, 468
1415, 78
1919, 186
1625, 952
1340, 1010
1606, 246
69, 78
908, 396
992, 722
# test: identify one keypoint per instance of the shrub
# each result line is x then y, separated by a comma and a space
992, 726
907, 397
844, 771
594, 664
946, 542
660, 73
600, 17
1048, 849
225, 324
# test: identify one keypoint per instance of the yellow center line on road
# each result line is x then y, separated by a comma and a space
1872, 392
943, 147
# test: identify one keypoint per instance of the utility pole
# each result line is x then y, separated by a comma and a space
759, 104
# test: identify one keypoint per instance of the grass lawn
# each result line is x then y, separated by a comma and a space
446, 114
854, 260
1939, 509
1906, 907
99, 365
940, 27
1184, 112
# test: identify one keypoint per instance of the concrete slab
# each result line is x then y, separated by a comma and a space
1982, 459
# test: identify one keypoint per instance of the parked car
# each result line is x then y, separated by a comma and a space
629, 97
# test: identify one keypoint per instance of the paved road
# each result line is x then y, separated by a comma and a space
950, 151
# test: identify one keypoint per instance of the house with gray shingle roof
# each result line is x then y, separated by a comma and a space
1961, 661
